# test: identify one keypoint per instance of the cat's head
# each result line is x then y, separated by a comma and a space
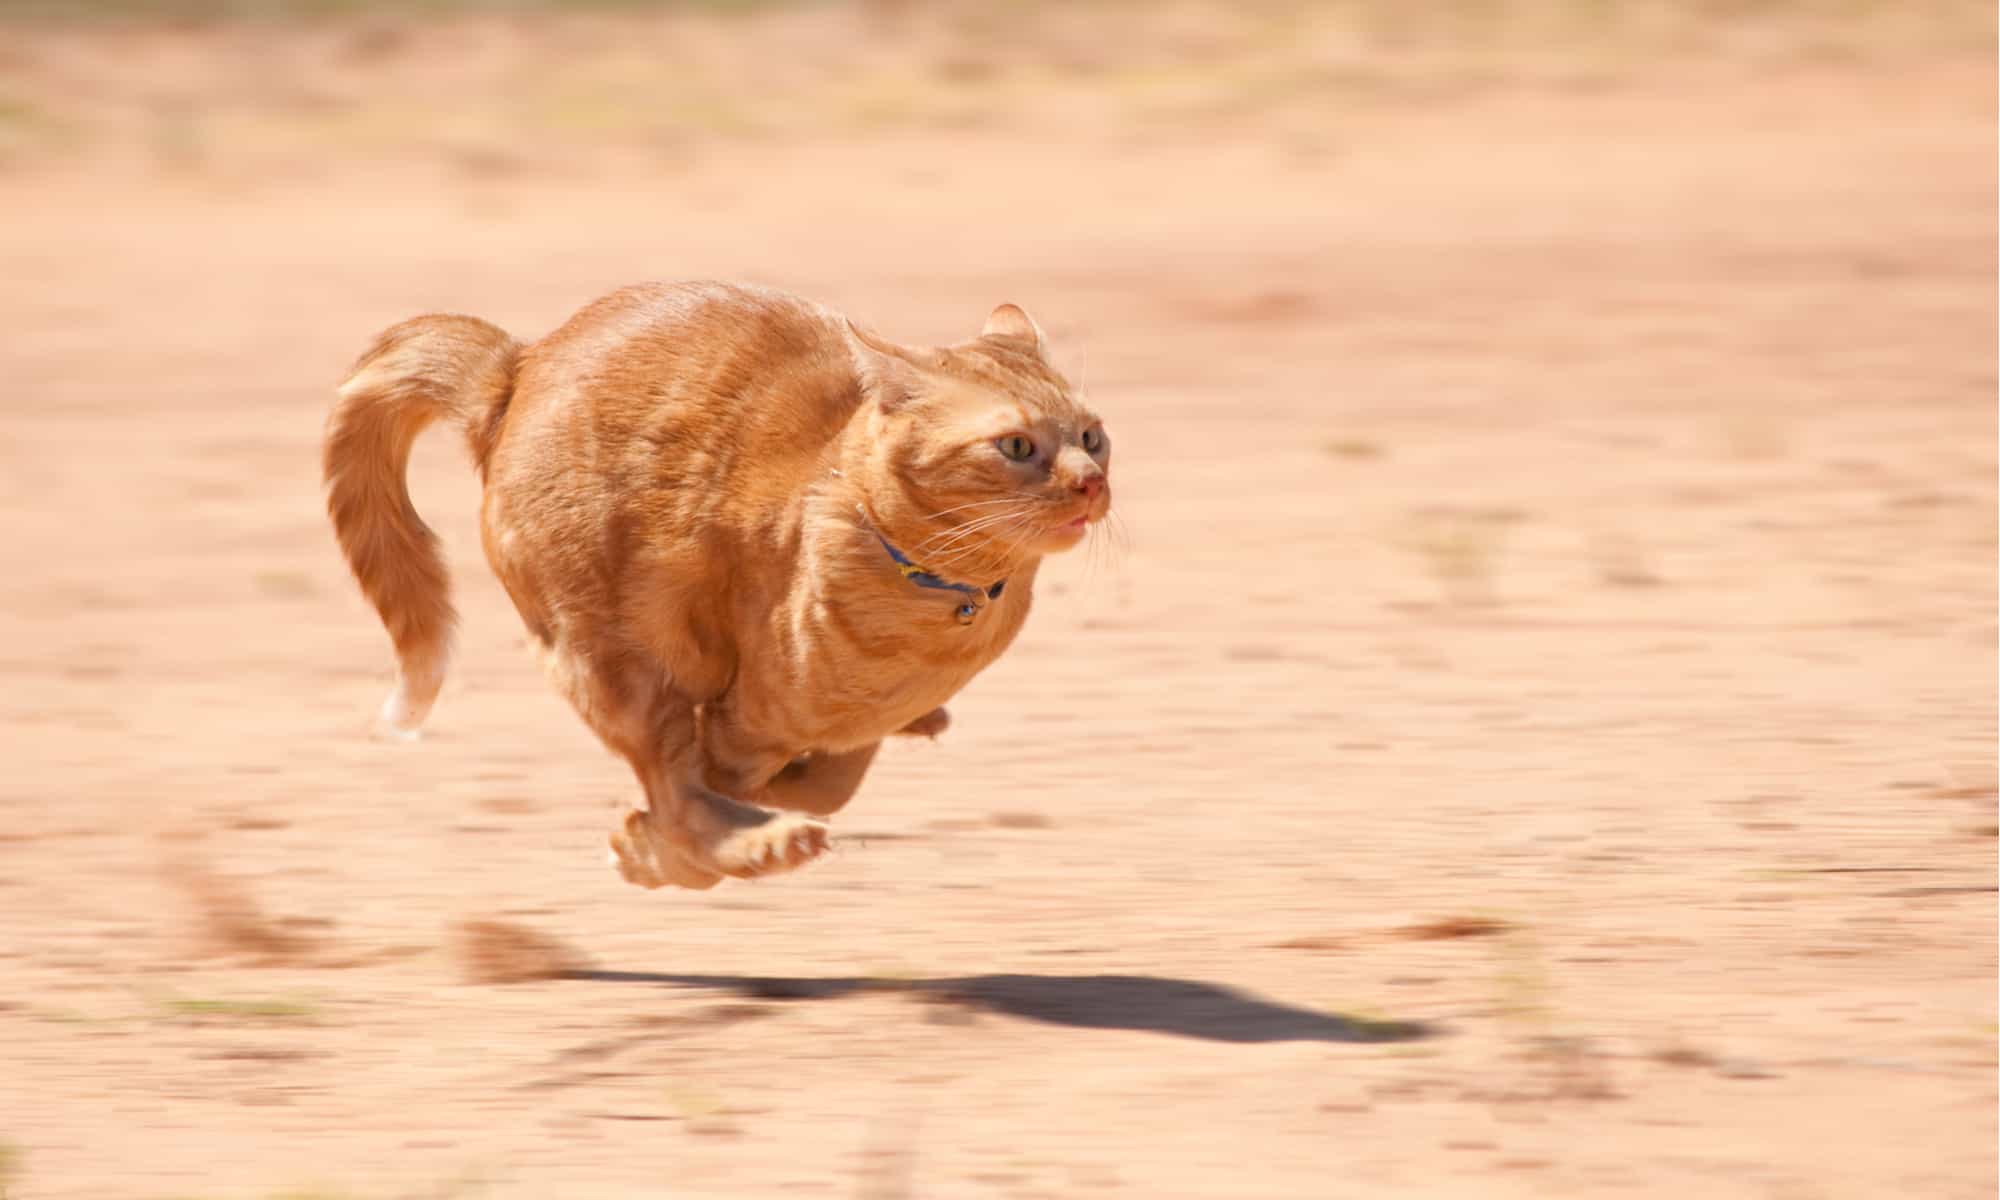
980, 452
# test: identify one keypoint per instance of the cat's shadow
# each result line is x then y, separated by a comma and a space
1183, 1007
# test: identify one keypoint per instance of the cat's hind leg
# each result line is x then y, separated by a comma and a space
689, 835
820, 784
686, 834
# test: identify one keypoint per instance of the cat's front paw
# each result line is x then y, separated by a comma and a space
649, 859
929, 725
783, 843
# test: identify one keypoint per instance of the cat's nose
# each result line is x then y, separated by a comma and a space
1091, 485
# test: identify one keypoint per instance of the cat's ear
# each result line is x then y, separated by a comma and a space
1013, 321
889, 373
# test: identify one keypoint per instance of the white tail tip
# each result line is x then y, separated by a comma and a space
403, 713
417, 685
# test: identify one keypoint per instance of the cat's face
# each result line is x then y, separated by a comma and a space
992, 447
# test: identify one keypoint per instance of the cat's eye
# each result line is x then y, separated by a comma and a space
1016, 447
1093, 440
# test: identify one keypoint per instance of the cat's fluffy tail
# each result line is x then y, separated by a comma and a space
452, 367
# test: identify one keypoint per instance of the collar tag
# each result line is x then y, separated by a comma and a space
976, 598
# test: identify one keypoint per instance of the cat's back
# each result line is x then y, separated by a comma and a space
698, 367
654, 457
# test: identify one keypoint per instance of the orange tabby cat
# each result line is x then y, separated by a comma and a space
749, 539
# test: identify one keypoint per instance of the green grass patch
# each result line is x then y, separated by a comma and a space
202, 1008
12, 1161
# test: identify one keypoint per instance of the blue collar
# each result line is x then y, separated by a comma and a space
976, 596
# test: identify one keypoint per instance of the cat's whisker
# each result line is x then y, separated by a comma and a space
1105, 549
1117, 534
978, 517
1013, 504
967, 554
959, 533
994, 532
1013, 543
972, 504
958, 547
1019, 500
1009, 498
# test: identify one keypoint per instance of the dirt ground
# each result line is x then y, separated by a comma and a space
1537, 738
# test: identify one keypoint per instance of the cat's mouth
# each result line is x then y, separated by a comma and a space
1065, 532
1068, 533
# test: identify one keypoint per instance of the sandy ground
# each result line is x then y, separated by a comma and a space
1538, 740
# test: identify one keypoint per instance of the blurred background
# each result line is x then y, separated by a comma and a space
1536, 739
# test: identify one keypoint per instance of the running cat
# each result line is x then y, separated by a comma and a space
749, 539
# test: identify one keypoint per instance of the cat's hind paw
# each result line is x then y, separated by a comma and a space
786, 842
648, 859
